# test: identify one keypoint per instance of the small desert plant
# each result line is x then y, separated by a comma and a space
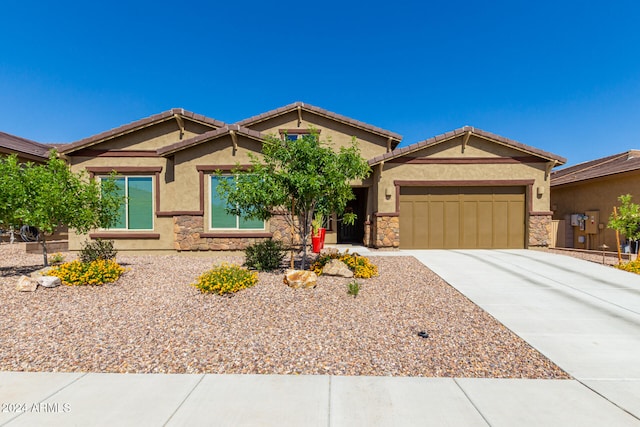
56, 259
631, 266
226, 279
264, 256
97, 249
360, 265
98, 272
353, 288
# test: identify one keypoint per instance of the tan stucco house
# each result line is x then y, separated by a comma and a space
583, 197
463, 189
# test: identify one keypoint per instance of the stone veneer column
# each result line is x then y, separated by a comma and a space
281, 229
539, 230
386, 231
186, 232
366, 241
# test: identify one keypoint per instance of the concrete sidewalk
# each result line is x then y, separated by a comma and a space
582, 316
65, 399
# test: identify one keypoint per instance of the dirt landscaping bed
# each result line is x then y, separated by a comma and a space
151, 320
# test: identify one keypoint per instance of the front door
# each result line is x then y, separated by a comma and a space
354, 233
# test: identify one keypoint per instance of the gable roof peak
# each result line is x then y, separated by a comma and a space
466, 130
298, 105
140, 124
632, 154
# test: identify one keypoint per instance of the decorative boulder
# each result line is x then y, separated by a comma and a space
329, 251
49, 281
26, 284
335, 267
300, 279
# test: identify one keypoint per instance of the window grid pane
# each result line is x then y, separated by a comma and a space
136, 211
220, 219
140, 203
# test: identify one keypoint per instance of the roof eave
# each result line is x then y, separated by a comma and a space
139, 125
208, 136
396, 138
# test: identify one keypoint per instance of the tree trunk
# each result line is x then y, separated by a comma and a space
293, 229
44, 249
305, 231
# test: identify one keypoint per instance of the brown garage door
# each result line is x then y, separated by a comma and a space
462, 217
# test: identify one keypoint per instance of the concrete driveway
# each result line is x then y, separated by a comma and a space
583, 316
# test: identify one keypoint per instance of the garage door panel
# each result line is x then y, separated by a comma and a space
485, 224
435, 226
406, 224
500, 224
462, 217
516, 225
469, 224
452, 224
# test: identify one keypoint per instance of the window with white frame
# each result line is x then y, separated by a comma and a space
219, 219
136, 211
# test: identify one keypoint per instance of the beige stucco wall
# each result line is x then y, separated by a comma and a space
475, 148
338, 134
150, 138
594, 195
153, 137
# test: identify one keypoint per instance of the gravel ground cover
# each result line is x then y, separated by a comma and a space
610, 258
151, 320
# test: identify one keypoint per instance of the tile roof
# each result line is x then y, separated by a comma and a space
610, 165
139, 124
12, 143
461, 131
208, 136
321, 112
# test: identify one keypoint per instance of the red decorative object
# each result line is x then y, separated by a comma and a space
316, 243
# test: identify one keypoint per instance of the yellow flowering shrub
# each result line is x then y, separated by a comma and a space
225, 279
77, 273
631, 266
360, 265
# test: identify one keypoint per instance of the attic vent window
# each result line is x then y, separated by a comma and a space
294, 134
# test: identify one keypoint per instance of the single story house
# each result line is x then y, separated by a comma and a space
583, 197
463, 189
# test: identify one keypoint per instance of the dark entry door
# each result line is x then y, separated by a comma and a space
354, 233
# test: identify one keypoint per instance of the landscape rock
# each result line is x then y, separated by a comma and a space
335, 267
300, 279
329, 251
26, 284
49, 281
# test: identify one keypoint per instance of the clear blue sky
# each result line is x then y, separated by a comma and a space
563, 76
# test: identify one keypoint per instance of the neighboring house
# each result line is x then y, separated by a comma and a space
583, 197
463, 189
27, 150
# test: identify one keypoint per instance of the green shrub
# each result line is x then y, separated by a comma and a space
225, 279
360, 265
631, 266
77, 273
265, 256
353, 288
97, 249
56, 259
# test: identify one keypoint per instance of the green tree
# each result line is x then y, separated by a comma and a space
50, 195
296, 178
11, 196
627, 218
